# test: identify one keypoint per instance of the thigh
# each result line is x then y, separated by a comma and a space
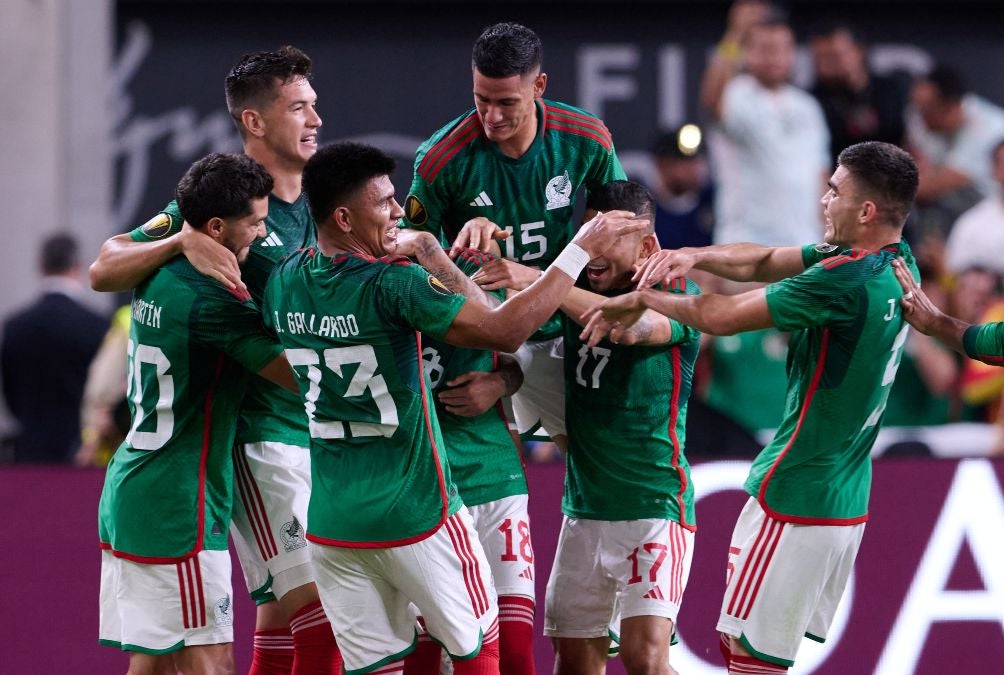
206, 660
541, 399
581, 592
503, 526
651, 562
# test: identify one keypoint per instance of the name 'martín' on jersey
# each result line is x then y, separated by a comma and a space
146, 313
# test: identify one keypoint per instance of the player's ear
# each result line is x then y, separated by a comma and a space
868, 212
253, 122
342, 218
539, 85
214, 228
649, 245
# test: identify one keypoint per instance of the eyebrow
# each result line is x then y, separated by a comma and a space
832, 186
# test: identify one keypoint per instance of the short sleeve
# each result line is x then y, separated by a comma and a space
421, 300
234, 326
605, 168
163, 225
681, 333
814, 253
425, 207
816, 297
985, 342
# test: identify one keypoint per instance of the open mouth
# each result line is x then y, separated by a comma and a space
595, 272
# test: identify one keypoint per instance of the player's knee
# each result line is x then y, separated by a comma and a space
579, 656
645, 658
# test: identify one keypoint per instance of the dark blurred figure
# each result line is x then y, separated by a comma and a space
859, 105
44, 355
683, 191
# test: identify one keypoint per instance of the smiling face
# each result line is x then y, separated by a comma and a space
842, 209
237, 234
373, 215
290, 122
506, 108
614, 269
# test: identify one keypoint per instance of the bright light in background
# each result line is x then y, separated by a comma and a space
689, 139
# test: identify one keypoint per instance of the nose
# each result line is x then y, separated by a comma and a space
259, 231
314, 120
396, 212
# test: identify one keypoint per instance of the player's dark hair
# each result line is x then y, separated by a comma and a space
336, 171
507, 49
255, 79
624, 195
830, 28
885, 172
948, 82
59, 254
221, 185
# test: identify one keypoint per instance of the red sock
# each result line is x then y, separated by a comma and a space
516, 635
485, 663
725, 647
749, 665
273, 652
314, 642
425, 659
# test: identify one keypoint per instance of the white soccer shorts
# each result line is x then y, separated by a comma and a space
158, 609
779, 569
367, 595
541, 399
605, 571
269, 522
503, 526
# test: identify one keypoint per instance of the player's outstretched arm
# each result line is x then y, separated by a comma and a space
738, 262
123, 263
474, 393
713, 314
507, 326
650, 328
278, 372
922, 314
425, 248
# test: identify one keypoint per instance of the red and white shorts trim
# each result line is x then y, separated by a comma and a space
269, 526
367, 594
605, 571
160, 608
779, 569
503, 526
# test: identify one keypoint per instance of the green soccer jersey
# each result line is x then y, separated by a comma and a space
485, 462
460, 174
169, 487
847, 340
626, 410
269, 412
985, 342
350, 328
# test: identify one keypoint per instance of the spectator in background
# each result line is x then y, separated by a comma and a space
44, 355
977, 238
104, 413
771, 147
952, 133
683, 191
859, 105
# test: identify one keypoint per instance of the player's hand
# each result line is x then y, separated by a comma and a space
472, 393
210, 257
604, 229
918, 309
663, 267
613, 317
477, 233
505, 274
410, 243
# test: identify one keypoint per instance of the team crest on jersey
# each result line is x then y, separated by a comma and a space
224, 611
825, 248
291, 534
415, 210
558, 192
438, 286
157, 227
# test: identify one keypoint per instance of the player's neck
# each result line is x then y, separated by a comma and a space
287, 178
520, 143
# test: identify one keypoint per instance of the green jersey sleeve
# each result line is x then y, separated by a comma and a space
233, 325
165, 224
421, 300
985, 342
819, 296
817, 253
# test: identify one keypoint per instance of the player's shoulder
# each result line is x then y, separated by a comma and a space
178, 273
446, 144
858, 265
165, 223
575, 124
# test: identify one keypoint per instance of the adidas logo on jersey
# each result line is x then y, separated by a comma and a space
654, 594
272, 240
482, 200
527, 574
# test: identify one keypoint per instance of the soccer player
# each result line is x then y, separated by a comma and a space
390, 526
795, 541
508, 170
165, 505
627, 539
273, 105
983, 342
467, 385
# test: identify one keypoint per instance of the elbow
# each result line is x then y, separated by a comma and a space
99, 279
719, 326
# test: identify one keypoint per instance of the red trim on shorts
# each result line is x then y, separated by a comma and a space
469, 564
448, 146
198, 585
762, 492
674, 413
254, 505
678, 546
181, 591
746, 568
763, 570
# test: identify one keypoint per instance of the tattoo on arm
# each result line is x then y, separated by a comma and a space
440, 266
